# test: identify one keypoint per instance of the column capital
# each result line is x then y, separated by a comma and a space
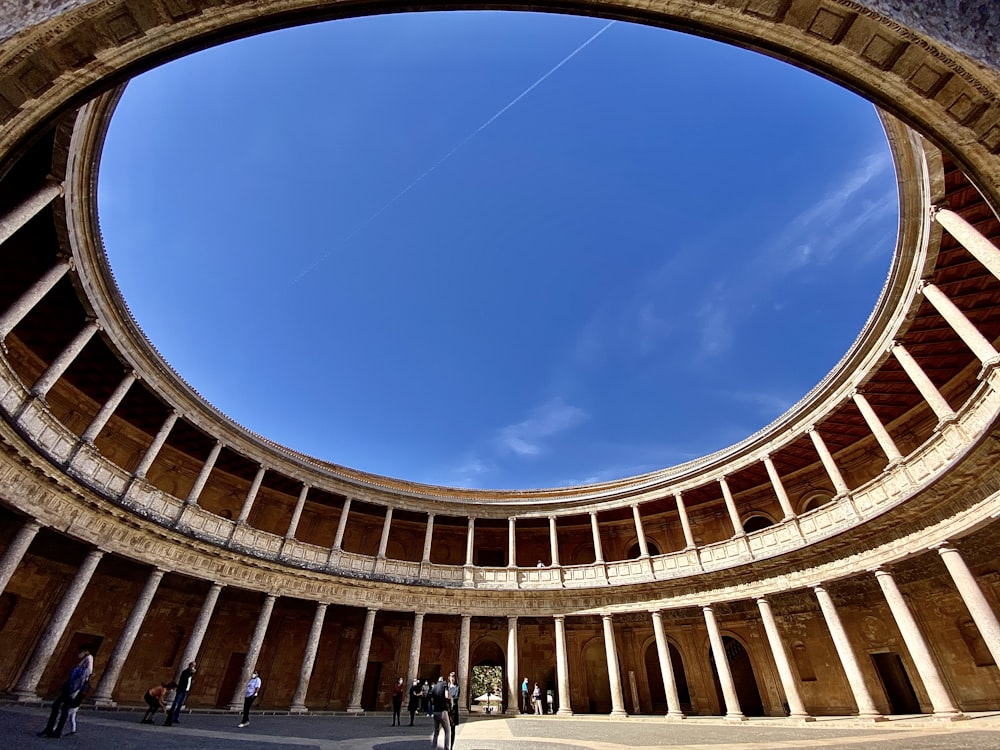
943, 546
558, 618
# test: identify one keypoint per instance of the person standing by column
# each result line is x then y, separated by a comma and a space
397, 702
249, 696
524, 695
76, 683
180, 697
454, 692
415, 694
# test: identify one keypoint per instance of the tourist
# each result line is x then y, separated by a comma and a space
155, 699
454, 692
249, 695
397, 702
536, 699
180, 697
77, 683
440, 700
416, 693
524, 695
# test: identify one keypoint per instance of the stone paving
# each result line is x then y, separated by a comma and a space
120, 730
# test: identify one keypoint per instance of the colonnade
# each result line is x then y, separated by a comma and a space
942, 702
980, 247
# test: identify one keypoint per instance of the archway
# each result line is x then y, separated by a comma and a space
744, 679
488, 659
756, 523
654, 677
597, 681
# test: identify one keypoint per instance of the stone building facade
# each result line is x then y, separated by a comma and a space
844, 560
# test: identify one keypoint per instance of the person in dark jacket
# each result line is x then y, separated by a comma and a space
397, 702
416, 692
440, 702
180, 697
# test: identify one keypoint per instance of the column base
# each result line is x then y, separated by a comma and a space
619, 714
959, 716
355, 710
298, 710
676, 716
564, 712
27, 697
105, 703
235, 708
801, 718
735, 717
512, 711
871, 717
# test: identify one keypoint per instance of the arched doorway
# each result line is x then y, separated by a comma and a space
654, 676
598, 684
487, 659
744, 679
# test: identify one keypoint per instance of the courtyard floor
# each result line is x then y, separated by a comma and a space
121, 730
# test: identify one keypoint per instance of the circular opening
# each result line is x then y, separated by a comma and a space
496, 249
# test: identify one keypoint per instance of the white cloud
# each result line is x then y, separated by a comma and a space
527, 438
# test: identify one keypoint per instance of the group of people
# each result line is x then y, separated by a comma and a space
532, 701
73, 691
439, 701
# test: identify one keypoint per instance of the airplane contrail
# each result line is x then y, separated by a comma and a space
309, 269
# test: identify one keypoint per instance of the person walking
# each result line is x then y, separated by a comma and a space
397, 702
536, 699
415, 694
249, 696
440, 701
180, 697
77, 683
155, 699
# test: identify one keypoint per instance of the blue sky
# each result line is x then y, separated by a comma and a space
497, 250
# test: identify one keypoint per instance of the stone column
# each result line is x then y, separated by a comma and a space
562, 667
970, 238
941, 700
779, 488
293, 525
685, 523
428, 539
464, 641
251, 495
982, 614
413, 669
102, 695
97, 423
855, 679
470, 540
28, 209
14, 553
354, 707
308, 660
513, 693
828, 463
885, 440
32, 296
733, 711
595, 531
511, 543
666, 669
640, 532
614, 674
200, 626
734, 516
796, 708
338, 540
26, 685
553, 541
383, 542
61, 363
156, 445
206, 471
253, 651
966, 331
919, 378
